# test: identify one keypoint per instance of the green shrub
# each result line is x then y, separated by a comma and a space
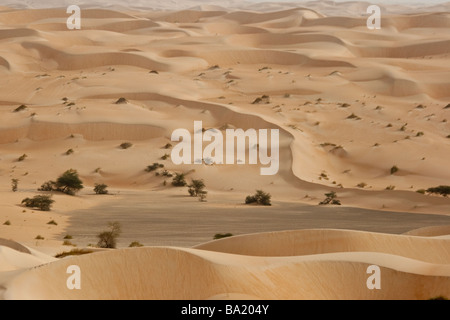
73, 252
126, 145
135, 244
100, 188
179, 180
222, 235
331, 199
69, 182
260, 198
441, 190
21, 108
108, 239
42, 202
154, 167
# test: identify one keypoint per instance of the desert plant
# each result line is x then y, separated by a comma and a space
73, 252
7, 223
218, 236
68, 237
52, 222
14, 184
353, 117
394, 170
421, 191
168, 146
441, 190
262, 100
362, 185
179, 180
154, 167
22, 158
121, 101
39, 237
69, 152
165, 157
21, 108
42, 202
196, 187
260, 198
126, 145
108, 239
390, 188
135, 244
69, 182
68, 243
419, 134
48, 186
100, 188
331, 199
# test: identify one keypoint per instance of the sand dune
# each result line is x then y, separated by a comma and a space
213, 274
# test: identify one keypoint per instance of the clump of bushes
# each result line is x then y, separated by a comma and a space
42, 202
100, 188
331, 199
260, 198
441, 190
196, 189
262, 100
68, 183
154, 167
179, 180
108, 239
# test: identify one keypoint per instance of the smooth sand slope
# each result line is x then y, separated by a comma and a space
350, 104
307, 264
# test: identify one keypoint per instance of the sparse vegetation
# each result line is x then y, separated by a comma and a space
259, 198
353, 117
121, 101
42, 202
22, 158
197, 189
218, 236
126, 145
447, 107
403, 128
100, 188
344, 105
68, 243
421, 191
262, 100
420, 106
68, 237
21, 108
52, 222
108, 239
135, 244
419, 134
7, 223
331, 199
441, 190
14, 184
390, 188
154, 167
69, 152
362, 185
39, 237
165, 157
179, 180
394, 170
73, 252
68, 183
168, 146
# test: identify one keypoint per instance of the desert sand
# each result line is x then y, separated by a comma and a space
349, 103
